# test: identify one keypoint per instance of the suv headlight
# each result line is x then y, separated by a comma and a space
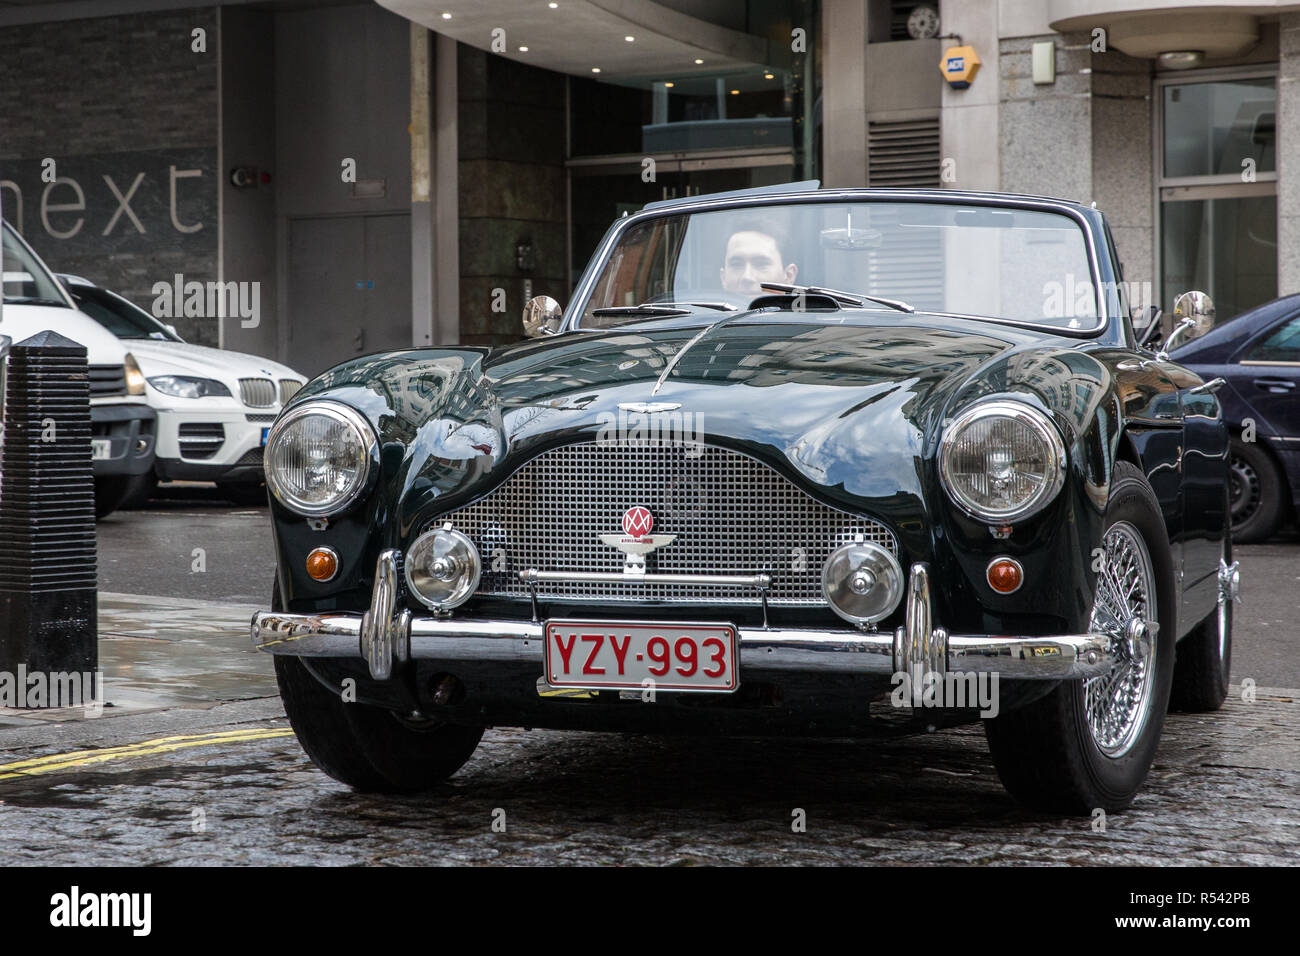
134, 377
184, 386
1001, 461
319, 457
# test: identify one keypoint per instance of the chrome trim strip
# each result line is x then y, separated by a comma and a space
533, 576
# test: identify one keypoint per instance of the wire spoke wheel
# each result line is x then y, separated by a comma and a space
1117, 705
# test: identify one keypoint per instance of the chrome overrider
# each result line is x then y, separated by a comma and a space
386, 635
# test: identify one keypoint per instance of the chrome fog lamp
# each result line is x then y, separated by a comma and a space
442, 568
863, 582
319, 458
1001, 461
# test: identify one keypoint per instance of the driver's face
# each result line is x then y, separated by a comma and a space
753, 258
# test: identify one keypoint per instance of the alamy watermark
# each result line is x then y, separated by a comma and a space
208, 300
959, 689
26, 689
657, 427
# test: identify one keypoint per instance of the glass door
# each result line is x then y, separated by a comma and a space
1217, 180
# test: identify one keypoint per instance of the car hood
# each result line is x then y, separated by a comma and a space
850, 404
182, 358
20, 322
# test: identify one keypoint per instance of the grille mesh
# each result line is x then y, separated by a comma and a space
107, 380
257, 392
731, 514
288, 389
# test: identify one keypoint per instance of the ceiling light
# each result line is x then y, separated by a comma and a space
446, 16
523, 49
1181, 59
552, 5
629, 39
668, 85
735, 92
768, 76
595, 69
698, 61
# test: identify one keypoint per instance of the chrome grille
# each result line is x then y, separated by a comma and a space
257, 392
731, 514
288, 389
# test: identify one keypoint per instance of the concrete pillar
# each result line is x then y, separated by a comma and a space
968, 124
1288, 155
844, 93
422, 211
446, 193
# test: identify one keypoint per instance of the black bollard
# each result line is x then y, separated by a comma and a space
48, 614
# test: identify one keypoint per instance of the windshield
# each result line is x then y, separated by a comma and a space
26, 280
123, 318
986, 261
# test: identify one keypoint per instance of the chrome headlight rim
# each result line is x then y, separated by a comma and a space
1022, 412
366, 436
476, 563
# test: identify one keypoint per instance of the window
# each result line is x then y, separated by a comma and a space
1217, 178
1281, 346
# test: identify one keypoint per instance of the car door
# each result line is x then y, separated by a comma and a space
1267, 376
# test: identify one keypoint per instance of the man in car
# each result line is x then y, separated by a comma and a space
755, 254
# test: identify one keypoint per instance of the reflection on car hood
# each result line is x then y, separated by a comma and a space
851, 402
182, 358
19, 321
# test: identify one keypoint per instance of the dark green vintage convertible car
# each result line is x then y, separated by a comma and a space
792, 462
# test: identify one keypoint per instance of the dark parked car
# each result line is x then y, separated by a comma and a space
1258, 352
798, 462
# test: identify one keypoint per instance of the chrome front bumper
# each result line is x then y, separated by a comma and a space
386, 636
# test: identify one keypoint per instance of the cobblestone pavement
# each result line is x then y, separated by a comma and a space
1225, 790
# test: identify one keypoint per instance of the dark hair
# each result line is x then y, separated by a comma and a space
768, 226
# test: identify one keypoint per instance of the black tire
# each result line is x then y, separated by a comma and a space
243, 493
1255, 499
367, 747
1204, 659
1045, 752
139, 489
109, 492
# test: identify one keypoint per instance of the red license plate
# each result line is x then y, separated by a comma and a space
597, 655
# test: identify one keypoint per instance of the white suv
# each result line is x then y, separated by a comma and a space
122, 425
214, 407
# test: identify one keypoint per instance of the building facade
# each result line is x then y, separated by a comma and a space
314, 181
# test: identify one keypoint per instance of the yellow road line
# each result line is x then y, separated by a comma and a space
80, 758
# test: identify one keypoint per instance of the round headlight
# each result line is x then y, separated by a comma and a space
318, 458
442, 568
862, 581
1001, 461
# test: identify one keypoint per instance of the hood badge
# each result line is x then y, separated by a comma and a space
636, 541
649, 408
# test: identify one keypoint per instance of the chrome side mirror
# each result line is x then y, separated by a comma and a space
542, 316
1193, 315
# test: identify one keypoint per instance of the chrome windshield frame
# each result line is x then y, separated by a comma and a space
586, 284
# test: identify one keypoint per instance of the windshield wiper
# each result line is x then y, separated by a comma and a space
843, 298
644, 308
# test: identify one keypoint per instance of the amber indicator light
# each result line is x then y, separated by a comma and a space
1005, 575
322, 564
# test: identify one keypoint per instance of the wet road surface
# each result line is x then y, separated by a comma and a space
193, 762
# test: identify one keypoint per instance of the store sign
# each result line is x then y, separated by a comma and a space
110, 203
959, 66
